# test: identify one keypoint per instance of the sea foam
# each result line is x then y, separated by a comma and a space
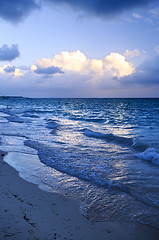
149, 154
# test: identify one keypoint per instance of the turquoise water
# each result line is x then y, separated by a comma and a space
104, 152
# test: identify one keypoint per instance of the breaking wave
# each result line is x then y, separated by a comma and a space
109, 137
149, 154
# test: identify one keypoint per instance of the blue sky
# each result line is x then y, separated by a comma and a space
69, 48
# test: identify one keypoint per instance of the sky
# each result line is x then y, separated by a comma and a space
79, 48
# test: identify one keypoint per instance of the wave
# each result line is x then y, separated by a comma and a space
60, 161
14, 118
149, 154
95, 120
124, 141
139, 146
53, 125
40, 111
14, 135
30, 115
57, 159
109, 137
11, 112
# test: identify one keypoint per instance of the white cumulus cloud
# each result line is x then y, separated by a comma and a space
113, 65
117, 65
67, 74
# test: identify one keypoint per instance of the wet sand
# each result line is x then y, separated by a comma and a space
27, 212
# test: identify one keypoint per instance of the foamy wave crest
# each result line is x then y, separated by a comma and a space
109, 137
149, 154
62, 162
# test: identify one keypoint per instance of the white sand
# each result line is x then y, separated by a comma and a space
26, 212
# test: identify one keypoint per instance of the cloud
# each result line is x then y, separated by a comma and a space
112, 76
103, 8
72, 74
73, 61
147, 74
117, 65
113, 65
157, 49
82, 76
46, 70
9, 53
137, 15
16, 10
18, 73
10, 70
133, 53
154, 13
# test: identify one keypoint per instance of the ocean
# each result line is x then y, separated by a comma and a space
102, 152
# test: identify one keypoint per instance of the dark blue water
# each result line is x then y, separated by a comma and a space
104, 152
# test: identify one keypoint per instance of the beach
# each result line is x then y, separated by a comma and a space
27, 212
79, 120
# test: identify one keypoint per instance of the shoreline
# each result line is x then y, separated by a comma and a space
27, 212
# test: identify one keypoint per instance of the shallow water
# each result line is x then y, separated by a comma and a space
104, 152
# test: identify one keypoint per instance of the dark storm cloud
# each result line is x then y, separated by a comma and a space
9, 53
9, 69
146, 74
48, 70
104, 7
16, 10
